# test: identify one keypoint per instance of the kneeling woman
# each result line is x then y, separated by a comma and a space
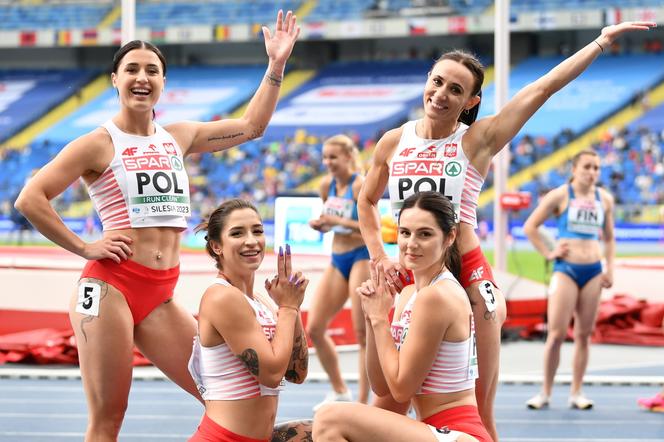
428, 355
246, 343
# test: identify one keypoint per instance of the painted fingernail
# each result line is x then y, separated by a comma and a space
287, 249
281, 251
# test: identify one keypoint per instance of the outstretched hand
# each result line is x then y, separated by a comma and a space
611, 33
280, 44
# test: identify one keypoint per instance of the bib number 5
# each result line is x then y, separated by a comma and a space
89, 295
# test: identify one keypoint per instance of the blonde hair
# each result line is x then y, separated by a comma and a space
349, 146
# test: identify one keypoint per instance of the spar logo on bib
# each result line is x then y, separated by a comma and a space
420, 176
453, 169
176, 163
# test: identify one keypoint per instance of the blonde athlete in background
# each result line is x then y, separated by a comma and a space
585, 213
247, 343
349, 267
134, 171
427, 353
448, 152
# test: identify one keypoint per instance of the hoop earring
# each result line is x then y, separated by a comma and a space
466, 112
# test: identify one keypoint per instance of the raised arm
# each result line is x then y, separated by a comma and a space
84, 156
197, 137
609, 239
491, 134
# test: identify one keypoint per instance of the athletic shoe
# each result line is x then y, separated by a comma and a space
580, 402
655, 403
333, 396
538, 402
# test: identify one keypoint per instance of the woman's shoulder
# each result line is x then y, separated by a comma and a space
219, 297
448, 292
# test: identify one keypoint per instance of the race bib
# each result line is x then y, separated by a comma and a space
157, 185
89, 297
341, 207
586, 217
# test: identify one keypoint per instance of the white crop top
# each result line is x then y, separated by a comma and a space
219, 374
455, 366
145, 185
420, 165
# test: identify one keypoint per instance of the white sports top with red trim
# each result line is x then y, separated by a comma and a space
219, 374
145, 185
420, 165
455, 366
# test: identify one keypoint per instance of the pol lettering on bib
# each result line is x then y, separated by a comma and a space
89, 297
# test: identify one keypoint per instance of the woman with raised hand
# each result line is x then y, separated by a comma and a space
246, 343
133, 168
349, 267
447, 151
584, 212
427, 354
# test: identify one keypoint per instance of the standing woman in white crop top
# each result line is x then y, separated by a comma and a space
134, 171
427, 354
247, 343
449, 152
349, 267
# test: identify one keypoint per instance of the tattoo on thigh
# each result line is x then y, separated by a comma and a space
283, 434
250, 358
90, 318
295, 431
490, 316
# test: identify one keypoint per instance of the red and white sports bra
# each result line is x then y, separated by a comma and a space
455, 366
441, 165
219, 374
145, 185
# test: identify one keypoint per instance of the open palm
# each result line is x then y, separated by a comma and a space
614, 31
280, 44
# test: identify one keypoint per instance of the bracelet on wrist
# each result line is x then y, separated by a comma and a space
600, 46
290, 307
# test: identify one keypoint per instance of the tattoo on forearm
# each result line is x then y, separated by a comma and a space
258, 132
90, 318
226, 137
274, 79
250, 358
299, 361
